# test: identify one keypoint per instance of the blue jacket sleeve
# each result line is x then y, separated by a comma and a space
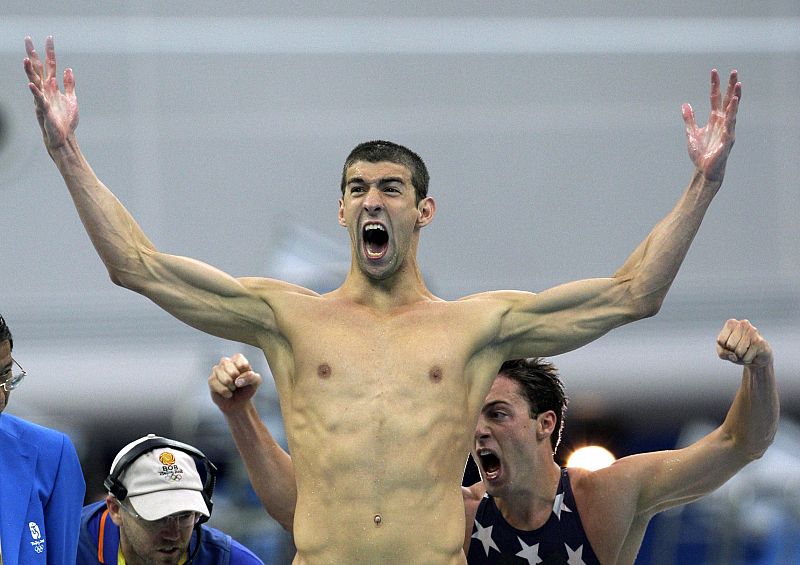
62, 513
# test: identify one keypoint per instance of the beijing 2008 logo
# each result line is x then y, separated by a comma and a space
36, 536
166, 458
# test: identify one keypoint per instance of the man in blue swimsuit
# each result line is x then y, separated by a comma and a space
526, 508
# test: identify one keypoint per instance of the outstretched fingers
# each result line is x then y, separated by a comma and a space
39, 101
33, 65
688, 118
50, 58
42, 76
730, 117
734, 88
56, 112
715, 92
732, 99
69, 82
35, 72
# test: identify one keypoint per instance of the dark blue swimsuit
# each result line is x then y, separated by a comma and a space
560, 540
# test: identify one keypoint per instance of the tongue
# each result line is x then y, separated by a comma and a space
491, 464
374, 248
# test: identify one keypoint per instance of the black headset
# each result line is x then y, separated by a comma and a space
206, 469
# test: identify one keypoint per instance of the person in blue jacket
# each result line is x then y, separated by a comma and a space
41, 481
159, 496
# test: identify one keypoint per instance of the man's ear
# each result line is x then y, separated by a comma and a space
426, 209
114, 509
546, 424
341, 213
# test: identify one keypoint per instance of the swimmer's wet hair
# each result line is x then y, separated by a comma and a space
378, 150
541, 386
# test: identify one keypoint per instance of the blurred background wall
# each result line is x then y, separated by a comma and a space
553, 135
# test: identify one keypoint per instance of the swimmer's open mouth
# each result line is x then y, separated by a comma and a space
490, 463
376, 240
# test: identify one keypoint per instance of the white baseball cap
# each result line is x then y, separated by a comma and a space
162, 481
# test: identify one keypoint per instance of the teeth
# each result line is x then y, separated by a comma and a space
484, 452
374, 227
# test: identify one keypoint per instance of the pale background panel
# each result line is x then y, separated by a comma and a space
552, 134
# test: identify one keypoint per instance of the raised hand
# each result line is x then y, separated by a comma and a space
710, 146
233, 383
57, 112
739, 342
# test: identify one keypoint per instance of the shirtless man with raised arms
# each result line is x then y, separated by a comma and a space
380, 381
525, 507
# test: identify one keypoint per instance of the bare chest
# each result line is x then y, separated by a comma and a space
352, 369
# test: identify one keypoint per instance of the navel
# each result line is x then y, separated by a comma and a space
377, 519
324, 371
435, 374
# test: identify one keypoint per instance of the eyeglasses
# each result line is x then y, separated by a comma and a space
9, 380
182, 519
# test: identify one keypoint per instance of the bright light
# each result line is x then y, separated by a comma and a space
592, 457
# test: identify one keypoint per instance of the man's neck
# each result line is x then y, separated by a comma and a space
530, 507
403, 288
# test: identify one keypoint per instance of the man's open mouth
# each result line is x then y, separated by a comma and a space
490, 464
376, 240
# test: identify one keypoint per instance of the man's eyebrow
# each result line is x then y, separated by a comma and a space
388, 180
381, 181
489, 405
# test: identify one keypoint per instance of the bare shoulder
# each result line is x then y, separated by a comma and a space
271, 302
267, 286
582, 480
496, 305
606, 480
611, 491
607, 508
498, 297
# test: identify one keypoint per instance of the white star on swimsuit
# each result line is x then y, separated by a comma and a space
573, 558
484, 535
529, 552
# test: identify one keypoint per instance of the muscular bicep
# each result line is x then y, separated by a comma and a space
665, 479
564, 317
206, 298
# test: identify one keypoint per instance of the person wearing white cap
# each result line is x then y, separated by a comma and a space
159, 496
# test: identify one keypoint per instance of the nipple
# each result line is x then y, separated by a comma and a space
324, 371
435, 374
